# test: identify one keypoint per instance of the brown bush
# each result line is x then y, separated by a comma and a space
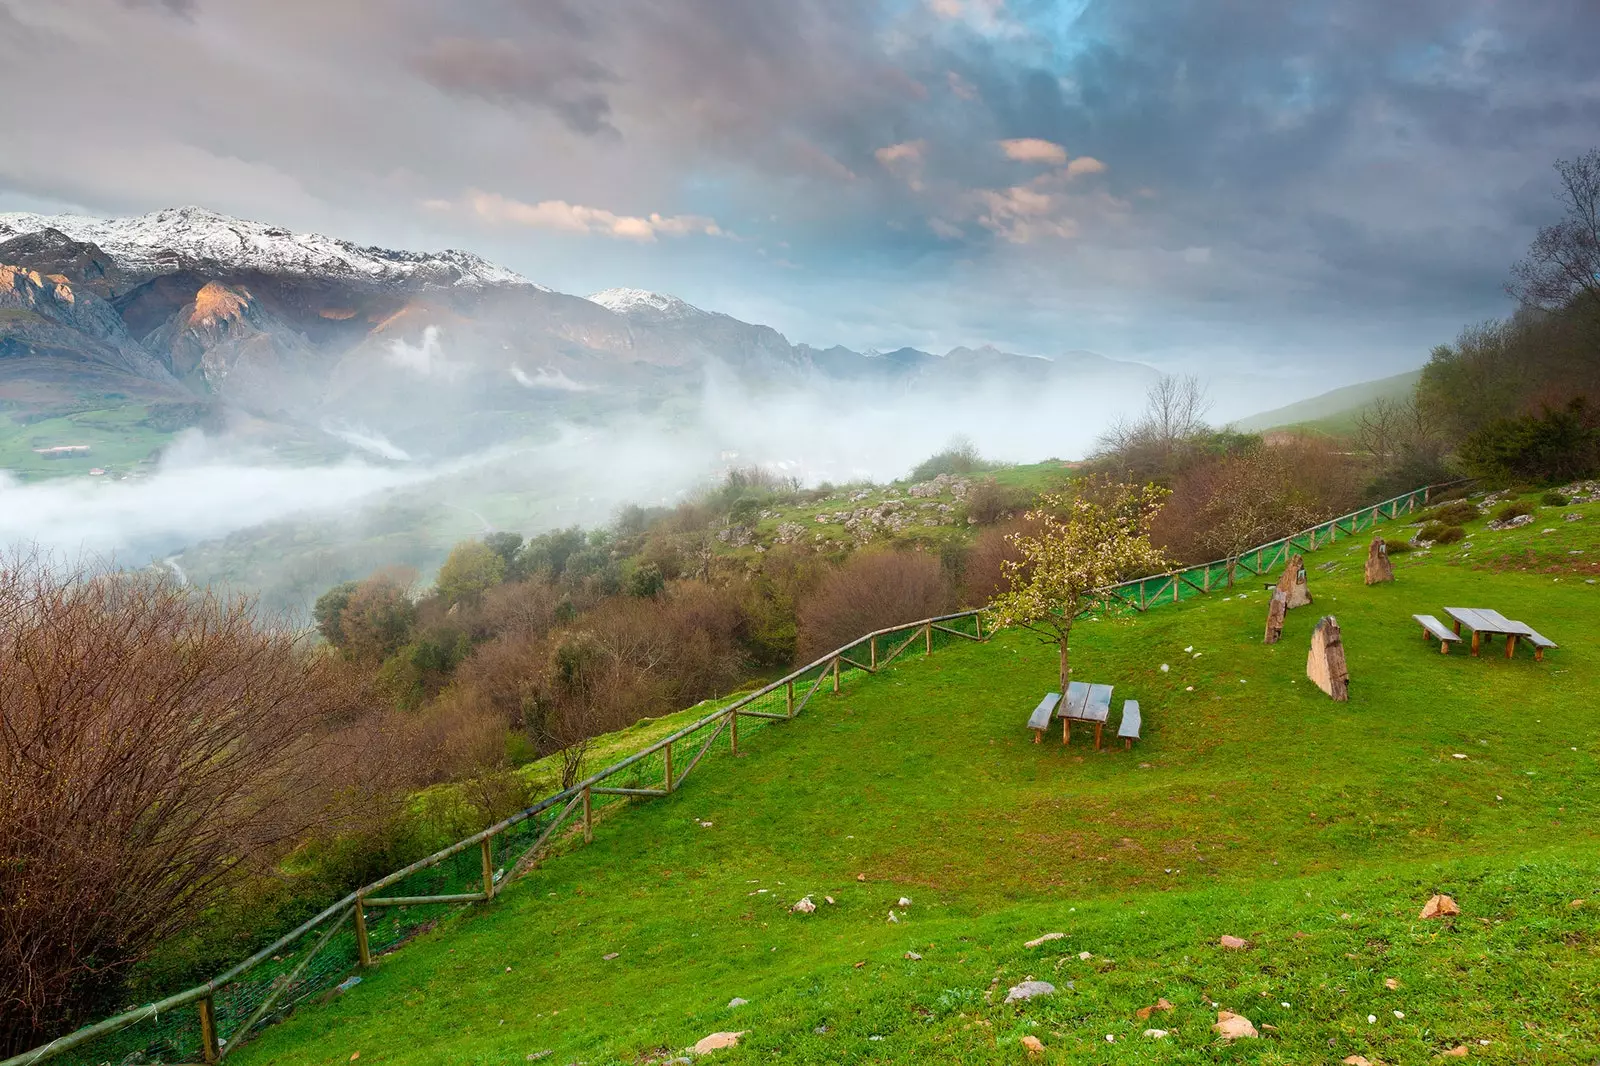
989, 502
154, 745
1229, 504
870, 591
984, 577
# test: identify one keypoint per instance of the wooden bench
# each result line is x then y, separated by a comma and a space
1039, 721
1432, 627
1540, 642
1129, 730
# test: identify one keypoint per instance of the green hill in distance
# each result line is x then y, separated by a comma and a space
1335, 411
1254, 807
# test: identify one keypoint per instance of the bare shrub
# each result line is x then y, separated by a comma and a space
870, 591
989, 502
1223, 507
154, 745
984, 576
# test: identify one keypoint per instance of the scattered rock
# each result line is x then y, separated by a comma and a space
892, 918
860, 964
1458, 1052
1144, 1012
913, 956
610, 956
1033, 1044
716, 1042
1233, 943
1356, 1060
861, 877
904, 902
1045, 939
1231, 1026
1029, 989
1576, 903
537, 1055
805, 906
1085, 956
1156, 1034
1439, 906
736, 1002
1391, 983
828, 900
1511, 523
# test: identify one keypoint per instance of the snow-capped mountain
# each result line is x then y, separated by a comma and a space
194, 238
643, 303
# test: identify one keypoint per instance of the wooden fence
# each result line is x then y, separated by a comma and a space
212, 1019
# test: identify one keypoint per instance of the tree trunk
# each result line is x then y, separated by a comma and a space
1066, 670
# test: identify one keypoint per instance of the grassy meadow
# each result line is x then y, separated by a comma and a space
1253, 807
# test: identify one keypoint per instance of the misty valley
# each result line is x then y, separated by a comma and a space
662, 533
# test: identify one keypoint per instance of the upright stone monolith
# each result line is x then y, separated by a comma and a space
1293, 584
1275, 613
1379, 568
1325, 666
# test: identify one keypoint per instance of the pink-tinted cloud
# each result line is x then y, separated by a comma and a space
577, 218
1034, 150
1084, 164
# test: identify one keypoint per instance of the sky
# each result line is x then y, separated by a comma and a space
1249, 187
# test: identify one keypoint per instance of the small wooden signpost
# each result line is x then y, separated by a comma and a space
1293, 584
1379, 568
1325, 666
1275, 613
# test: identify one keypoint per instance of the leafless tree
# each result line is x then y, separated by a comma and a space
1174, 414
1563, 262
154, 744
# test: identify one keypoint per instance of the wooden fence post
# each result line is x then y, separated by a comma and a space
362, 948
669, 766
927, 636
788, 700
209, 1049
486, 847
733, 730
978, 618
872, 650
588, 818
836, 675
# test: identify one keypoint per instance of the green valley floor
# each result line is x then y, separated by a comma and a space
1254, 807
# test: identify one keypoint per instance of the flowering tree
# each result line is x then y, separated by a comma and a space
1072, 546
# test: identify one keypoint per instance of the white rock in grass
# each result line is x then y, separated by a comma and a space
1156, 1034
1189, 648
1045, 939
1165, 668
904, 902
805, 906
892, 917
1029, 990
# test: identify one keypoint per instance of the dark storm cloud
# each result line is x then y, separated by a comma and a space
542, 72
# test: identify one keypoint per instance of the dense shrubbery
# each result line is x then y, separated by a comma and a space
1453, 513
960, 456
1512, 509
1554, 499
1440, 533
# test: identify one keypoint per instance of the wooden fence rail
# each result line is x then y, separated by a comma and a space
1168, 588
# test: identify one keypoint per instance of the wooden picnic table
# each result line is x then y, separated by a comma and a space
1085, 703
1483, 621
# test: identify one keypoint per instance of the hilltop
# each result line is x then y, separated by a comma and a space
1334, 411
1254, 807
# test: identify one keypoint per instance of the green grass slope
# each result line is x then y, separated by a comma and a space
1333, 412
1254, 807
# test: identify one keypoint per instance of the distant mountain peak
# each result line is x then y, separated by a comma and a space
187, 237
656, 305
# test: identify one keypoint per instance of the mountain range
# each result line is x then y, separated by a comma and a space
206, 318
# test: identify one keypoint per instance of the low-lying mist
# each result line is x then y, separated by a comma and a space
217, 510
